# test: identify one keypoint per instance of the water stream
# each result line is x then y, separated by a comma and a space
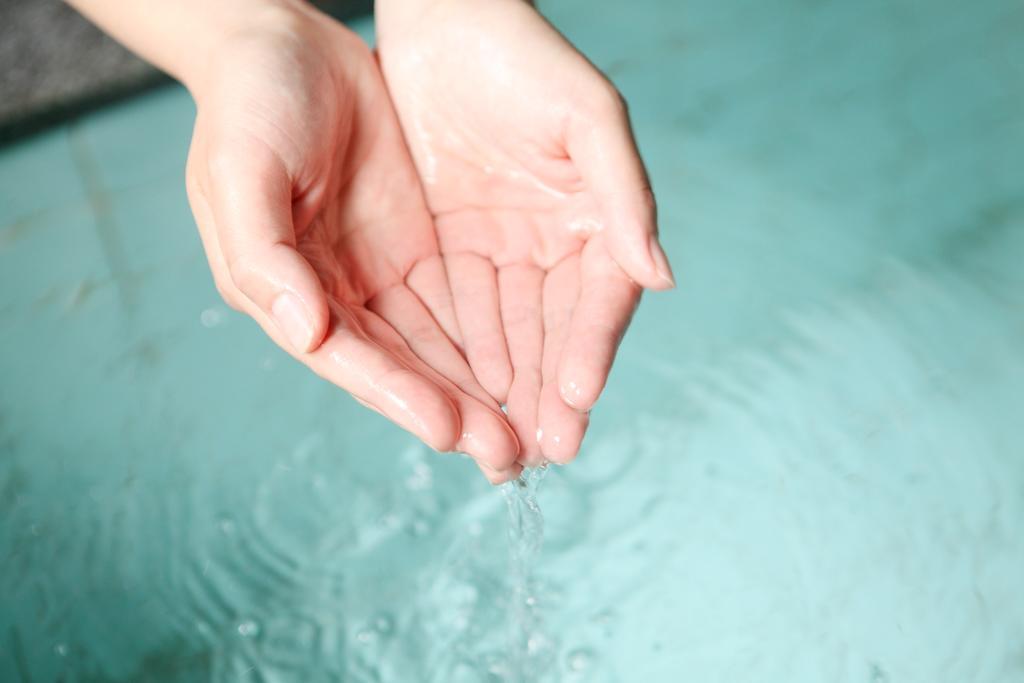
531, 650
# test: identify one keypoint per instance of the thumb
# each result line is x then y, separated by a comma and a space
601, 146
251, 198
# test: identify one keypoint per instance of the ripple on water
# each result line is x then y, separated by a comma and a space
211, 317
268, 590
248, 628
579, 660
266, 598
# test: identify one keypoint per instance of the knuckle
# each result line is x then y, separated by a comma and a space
607, 101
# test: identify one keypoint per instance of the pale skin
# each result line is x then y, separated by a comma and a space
462, 223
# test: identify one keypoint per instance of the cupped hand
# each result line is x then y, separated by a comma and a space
542, 206
314, 224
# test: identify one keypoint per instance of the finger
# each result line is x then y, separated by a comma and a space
350, 358
607, 301
561, 292
404, 311
250, 194
475, 294
520, 294
493, 477
561, 428
429, 280
601, 145
513, 471
484, 433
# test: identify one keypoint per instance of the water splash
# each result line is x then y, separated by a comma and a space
530, 649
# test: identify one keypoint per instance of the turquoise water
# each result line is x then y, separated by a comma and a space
808, 465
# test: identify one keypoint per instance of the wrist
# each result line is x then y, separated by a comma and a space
397, 16
182, 37
392, 15
229, 24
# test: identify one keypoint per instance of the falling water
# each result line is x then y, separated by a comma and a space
530, 649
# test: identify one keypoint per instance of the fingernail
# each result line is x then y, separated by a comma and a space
661, 262
292, 319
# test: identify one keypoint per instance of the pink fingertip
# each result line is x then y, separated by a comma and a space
574, 396
496, 477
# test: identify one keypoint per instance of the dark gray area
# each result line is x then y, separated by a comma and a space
53, 58
54, 64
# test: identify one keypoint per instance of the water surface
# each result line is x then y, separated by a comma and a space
807, 466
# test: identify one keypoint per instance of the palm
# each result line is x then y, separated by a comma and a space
361, 231
513, 231
540, 301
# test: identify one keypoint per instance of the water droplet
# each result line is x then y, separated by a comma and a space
531, 601
227, 525
61, 649
248, 628
464, 672
211, 317
421, 478
536, 643
464, 594
384, 624
366, 636
500, 668
579, 659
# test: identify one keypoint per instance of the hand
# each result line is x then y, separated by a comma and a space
314, 224
543, 210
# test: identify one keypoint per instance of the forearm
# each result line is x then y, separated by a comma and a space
180, 36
